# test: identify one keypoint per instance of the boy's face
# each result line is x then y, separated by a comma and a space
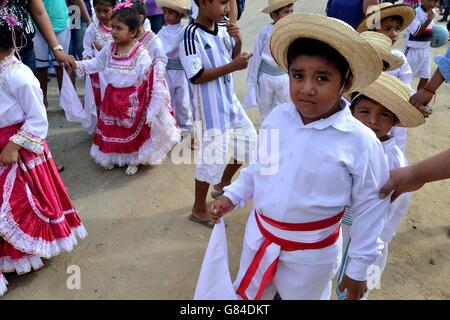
215, 10
283, 12
315, 86
103, 12
390, 28
429, 4
171, 16
375, 116
121, 32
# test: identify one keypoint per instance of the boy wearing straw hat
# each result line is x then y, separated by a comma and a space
268, 84
209, 54
390, 20
381, 106
326, 161
171, 35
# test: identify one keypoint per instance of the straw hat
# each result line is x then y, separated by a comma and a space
276, 4
364, 62
383, 45
394, 95
376, 13
178, 5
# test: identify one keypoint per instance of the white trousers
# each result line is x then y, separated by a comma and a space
179, 95
272, 91
419, 60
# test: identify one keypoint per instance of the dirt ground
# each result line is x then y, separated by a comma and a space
141, 244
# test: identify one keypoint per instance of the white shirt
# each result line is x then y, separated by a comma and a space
96, 32
194, 10
171, 37
155, 49
404, 72
261, 52
215, 104
422, 41
395, 159
21, 100
323, 167
121, 71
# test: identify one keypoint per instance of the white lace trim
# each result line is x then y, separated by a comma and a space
3, 284
28, 141
21, 266
10, 230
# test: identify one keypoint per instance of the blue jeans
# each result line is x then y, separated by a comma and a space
29, 59
76, 41
156, 22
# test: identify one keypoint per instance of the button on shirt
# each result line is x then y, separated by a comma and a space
322, 167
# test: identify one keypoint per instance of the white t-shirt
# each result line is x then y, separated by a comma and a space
422, 41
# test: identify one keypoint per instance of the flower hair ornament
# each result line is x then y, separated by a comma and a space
121, 5
9, 20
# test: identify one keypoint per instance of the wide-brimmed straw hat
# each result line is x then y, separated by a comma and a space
394, 95
178, 5
383, 45
365, 63
376, 13
276, 4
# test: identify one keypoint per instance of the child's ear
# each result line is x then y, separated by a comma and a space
348, 83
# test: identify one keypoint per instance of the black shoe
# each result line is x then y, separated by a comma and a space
442, 20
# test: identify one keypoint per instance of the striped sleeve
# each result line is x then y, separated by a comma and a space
190, 54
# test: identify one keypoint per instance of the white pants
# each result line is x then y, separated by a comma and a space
179, 95
215, 150
272, 90
379, 264
419, 60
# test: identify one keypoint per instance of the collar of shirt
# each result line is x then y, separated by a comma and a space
389, 143
341, 120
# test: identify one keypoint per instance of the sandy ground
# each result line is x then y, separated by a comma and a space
142, 246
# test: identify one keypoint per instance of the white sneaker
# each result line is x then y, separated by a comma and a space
109, 167
131, 170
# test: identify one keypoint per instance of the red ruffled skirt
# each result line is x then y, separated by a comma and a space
37, 218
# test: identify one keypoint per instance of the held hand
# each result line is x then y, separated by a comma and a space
355, 289
220, 207
241, 61
421, 98
402, 180
9, 154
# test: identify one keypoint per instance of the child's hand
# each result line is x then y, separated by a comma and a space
97, 46
241, 61
9, 154
355, 289
234, 31
220, 207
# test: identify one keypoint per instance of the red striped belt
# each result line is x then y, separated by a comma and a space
250, 286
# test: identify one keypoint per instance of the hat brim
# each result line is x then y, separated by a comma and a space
171, 5
365, 63
391, 59
393, 94
277, 6
370, 21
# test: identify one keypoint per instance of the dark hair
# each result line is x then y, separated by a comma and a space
315, 48
128, 16
397, 19
110, 2
6, 37
140, 8
362, 96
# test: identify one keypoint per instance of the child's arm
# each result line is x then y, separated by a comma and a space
191, 59
424, 25
233, 14
234, 31
94, 65
84, 12
88, 40
253, 68
368, 213
32, 133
